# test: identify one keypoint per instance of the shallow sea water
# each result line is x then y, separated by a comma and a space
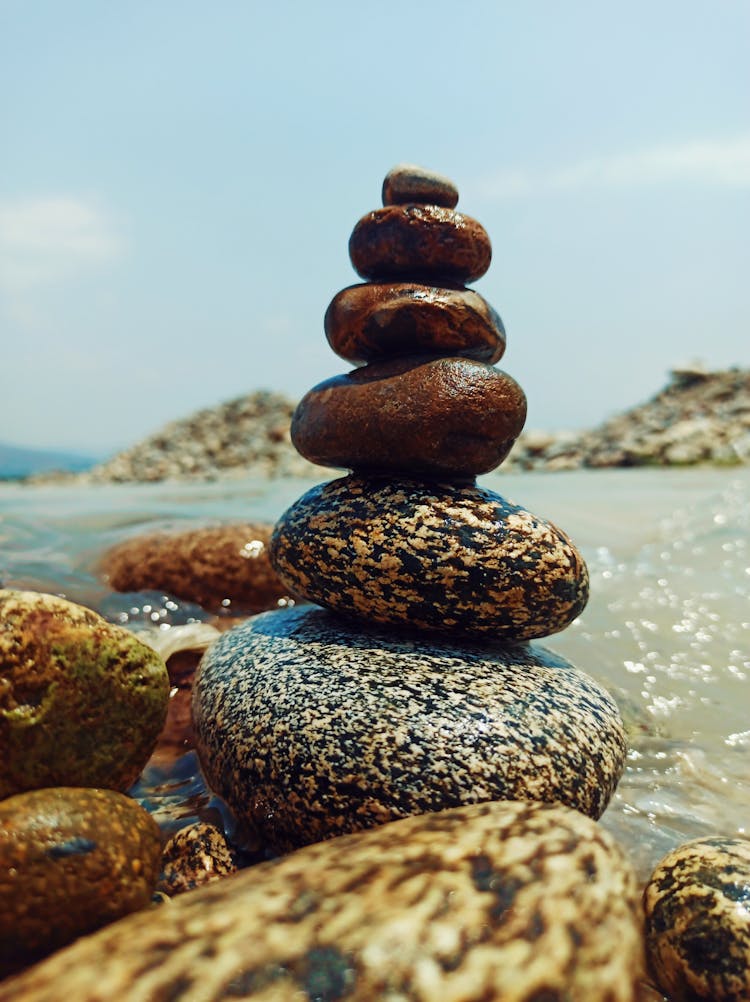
667, 628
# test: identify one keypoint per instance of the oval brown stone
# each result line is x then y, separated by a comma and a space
419, 241
436, 417
71, 860
377, 320
406, 183
218, 567
436, 556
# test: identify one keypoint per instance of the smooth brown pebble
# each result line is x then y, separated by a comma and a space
194, 856
71, 860
377, 320
484, 903
697, 907
447, 417
419, 241
409, 183
221, 568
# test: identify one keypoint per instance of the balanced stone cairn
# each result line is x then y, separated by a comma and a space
414, 688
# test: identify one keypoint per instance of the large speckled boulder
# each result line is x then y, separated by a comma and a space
219, 567
438, 556
488, 903
311, 727
71, 860
82, 702
697, 906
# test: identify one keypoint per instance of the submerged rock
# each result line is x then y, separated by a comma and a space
82, 702
483, 903
311, 727
697, 906
71, 860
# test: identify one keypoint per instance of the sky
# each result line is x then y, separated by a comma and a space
179, 179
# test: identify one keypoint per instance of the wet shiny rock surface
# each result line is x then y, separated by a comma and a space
438, 556
416, 415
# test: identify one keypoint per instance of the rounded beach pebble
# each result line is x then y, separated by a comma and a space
194, 856
221, 567
450, 417
82, 702
435, 556
71, 860
419, 241
311, 727
697, 906
485, 903
375, 320
409, 183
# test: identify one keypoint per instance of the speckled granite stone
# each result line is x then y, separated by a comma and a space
311, 727
697, 906
194, 856
71, 860
436, 556
489, 903
419, 241
414, 416
409, 183
377, 320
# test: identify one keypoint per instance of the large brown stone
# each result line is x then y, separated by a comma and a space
419, 241
431, 416
377, 320
222, 567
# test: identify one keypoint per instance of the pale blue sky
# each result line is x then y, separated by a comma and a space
178, 181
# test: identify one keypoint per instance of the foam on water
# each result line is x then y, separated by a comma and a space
667, 629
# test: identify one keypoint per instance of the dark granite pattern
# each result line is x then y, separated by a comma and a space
310, 727
437, 556
697, 906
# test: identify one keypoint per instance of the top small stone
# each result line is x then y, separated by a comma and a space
407, 184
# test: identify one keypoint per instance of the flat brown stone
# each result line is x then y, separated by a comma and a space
407, 183
419, 241
414, 415
222, 567
379, 320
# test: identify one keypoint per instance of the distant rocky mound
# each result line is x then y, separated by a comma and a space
245, 436
699, 417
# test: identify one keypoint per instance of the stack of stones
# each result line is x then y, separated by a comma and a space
410, 684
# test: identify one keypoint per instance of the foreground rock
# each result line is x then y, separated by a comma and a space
71, 860
82, 702
311, 727
490, 902
697, 906
222, 568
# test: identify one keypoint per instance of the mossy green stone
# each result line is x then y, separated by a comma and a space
82, 702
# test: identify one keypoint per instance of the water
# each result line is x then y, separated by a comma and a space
667, 629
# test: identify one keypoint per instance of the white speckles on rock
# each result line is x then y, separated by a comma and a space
311, 727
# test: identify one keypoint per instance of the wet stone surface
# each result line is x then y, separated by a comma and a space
434, 556
71, 860
310, 727
450, 417
486, 902
697, 906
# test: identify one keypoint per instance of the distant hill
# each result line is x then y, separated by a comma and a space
17, 462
